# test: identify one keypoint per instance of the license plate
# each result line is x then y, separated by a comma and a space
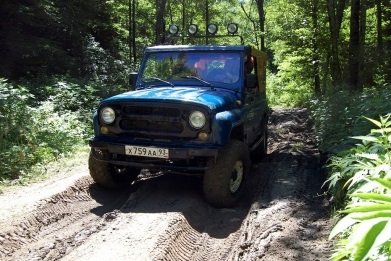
146, 152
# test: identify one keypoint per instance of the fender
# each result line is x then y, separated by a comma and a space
95, 121
222, 125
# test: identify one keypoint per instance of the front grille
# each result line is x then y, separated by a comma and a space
155, 126
157, 111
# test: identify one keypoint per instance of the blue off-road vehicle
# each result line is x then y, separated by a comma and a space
194, 110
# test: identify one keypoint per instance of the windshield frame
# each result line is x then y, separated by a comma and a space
201, 64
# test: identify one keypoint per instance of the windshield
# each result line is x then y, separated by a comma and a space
220, 67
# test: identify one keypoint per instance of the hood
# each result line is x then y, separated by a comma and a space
214, 99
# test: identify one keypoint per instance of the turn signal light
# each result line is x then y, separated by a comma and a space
104, 130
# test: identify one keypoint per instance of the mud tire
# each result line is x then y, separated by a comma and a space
109, 175
225, 182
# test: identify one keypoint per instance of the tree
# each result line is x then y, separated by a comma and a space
354, 45
335, 9
160, 10
261, 13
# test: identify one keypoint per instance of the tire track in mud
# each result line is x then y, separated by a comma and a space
195, 230
289, 217
43, 233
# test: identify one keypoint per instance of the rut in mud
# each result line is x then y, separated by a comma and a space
284, 216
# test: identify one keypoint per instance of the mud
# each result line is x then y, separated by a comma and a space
284, 215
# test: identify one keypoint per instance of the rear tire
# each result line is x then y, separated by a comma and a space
109, 175
225, 182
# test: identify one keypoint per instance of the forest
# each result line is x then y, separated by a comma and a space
59, 58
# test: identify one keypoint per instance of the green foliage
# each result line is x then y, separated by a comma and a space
33, 133
337, 116
287, 93
364, 172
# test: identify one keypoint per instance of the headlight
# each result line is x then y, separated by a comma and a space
107, 115
197, 119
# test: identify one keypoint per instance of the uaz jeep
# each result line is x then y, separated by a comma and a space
194, 110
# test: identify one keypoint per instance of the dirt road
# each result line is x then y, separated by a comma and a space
283, 217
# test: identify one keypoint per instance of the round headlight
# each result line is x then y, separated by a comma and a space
107, 115
212, 28
197, 119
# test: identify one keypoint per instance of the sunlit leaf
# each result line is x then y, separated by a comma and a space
383, 182
366, 138
377, 123
342, 225
384, 235
386, 215
369, 156
373, 196
368, 232
368, 208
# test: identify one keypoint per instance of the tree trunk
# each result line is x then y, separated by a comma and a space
335, 9
364, 76
261, 13
160, 9
379, 19
315, 50
354, 45
133, 38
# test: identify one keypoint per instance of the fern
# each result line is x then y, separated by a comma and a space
365, 173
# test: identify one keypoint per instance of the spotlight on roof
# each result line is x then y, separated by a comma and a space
192, 30
212, 29
174, 29
232, 28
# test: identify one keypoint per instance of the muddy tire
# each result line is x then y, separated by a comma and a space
109, 175
224, 184
261, 151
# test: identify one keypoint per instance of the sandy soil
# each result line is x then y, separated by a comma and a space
284, 215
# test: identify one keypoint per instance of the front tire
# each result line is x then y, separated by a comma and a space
225, 182
109, 175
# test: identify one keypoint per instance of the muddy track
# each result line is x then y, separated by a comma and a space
283, 217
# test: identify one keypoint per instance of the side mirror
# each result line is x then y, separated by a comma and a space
251, 81
132, 80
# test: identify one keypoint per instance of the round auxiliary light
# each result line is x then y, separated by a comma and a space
104, 130
212, 29
203, 136
197, 119
107, 115
174, 29
193, 29
232, 28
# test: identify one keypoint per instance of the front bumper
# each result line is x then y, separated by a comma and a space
181, 160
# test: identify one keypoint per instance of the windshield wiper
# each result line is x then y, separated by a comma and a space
196, 78
160, 80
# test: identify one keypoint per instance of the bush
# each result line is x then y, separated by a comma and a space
36, 132
364, 172
337, 116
